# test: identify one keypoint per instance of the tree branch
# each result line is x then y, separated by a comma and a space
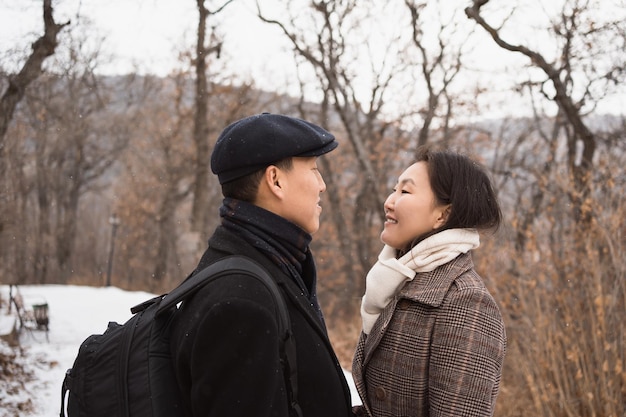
42, 48
581, 170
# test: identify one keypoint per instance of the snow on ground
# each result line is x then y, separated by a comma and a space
75, 312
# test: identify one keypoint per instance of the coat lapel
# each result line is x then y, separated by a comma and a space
302, 303
378, 331
427, 288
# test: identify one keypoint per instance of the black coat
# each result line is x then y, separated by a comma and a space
225, 346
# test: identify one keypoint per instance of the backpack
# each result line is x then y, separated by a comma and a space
127, 371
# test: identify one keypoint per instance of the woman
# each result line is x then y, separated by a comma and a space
433, 338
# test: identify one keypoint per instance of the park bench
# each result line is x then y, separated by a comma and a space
30, 319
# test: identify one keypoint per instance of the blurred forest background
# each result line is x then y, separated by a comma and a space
105, 179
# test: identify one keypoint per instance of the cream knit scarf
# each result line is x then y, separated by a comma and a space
389, 274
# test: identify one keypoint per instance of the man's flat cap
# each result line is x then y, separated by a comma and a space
253, 143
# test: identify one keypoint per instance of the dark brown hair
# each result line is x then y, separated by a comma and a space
465, 185
246, 188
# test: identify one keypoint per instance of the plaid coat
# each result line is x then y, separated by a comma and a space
436, 350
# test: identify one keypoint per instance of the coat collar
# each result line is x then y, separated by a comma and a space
431, 287
227, 242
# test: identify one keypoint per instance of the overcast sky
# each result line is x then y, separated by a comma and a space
151, 32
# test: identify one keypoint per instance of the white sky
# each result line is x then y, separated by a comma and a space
151, 32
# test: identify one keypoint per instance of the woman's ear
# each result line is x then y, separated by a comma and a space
444, 213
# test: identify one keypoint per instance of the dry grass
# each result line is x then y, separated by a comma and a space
564, 303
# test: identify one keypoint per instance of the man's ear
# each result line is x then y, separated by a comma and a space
272, 179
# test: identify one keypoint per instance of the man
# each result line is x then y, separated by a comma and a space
225, 342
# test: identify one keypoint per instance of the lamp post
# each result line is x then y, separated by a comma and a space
114, 221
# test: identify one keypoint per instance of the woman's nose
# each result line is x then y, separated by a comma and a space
389, 202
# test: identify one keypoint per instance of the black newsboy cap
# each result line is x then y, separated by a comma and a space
255, 142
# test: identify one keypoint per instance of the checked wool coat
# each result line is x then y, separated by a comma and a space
436, 350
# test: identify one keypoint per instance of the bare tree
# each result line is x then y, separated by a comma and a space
364, 89
75, 146
158, 180
200, 210
577, 34
564, 288
332, 57
42, 48
440, 63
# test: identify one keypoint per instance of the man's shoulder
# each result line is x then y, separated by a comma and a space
235, 278
225, 240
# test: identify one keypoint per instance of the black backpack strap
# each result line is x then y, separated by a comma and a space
241, 265
65, 387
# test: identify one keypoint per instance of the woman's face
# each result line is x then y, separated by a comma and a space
411, 210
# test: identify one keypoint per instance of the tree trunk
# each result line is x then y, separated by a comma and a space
42, 48
201, 129
200, 210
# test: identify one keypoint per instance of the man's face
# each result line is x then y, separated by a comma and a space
302, 186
